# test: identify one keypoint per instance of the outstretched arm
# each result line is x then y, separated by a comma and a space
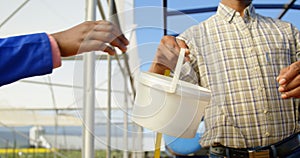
32, 55
90, 36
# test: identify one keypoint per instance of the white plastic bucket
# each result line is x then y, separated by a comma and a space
169, 105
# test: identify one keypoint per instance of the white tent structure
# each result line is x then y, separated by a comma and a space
61, 99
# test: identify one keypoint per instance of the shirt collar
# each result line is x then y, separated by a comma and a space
228, 13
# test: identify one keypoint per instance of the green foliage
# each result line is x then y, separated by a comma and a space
61, 154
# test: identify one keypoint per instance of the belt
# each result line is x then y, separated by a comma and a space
280, 149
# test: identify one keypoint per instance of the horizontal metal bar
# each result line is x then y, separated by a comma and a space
65, 85
192, 11
276, 6
97, 57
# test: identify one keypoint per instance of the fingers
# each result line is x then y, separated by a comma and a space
168, 51
94, 45
291, 94
108, 32
174, 44
291, 90
289, 73
182, 44
169, 47
167, 54
107, 37
111, 28
289, 81
291, 85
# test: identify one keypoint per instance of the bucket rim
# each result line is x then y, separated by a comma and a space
163, 83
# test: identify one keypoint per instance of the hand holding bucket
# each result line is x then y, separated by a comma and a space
169, 105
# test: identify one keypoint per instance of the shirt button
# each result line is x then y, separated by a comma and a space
267, 134
265, 111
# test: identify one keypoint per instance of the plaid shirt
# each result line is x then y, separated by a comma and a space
239, 58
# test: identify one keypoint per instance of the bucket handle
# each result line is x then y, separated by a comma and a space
177, 70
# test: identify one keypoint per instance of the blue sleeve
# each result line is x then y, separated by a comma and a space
24, 56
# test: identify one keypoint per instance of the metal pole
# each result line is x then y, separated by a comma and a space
165, 5
56, 113
125, 115
108, 123
286, 8
89, 91
18, 9
140, 141
108, 142
100, 8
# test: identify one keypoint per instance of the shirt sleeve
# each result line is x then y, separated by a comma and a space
297, 42
24, 56
56, 59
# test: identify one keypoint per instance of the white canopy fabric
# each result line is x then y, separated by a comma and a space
29, 118
61, 90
